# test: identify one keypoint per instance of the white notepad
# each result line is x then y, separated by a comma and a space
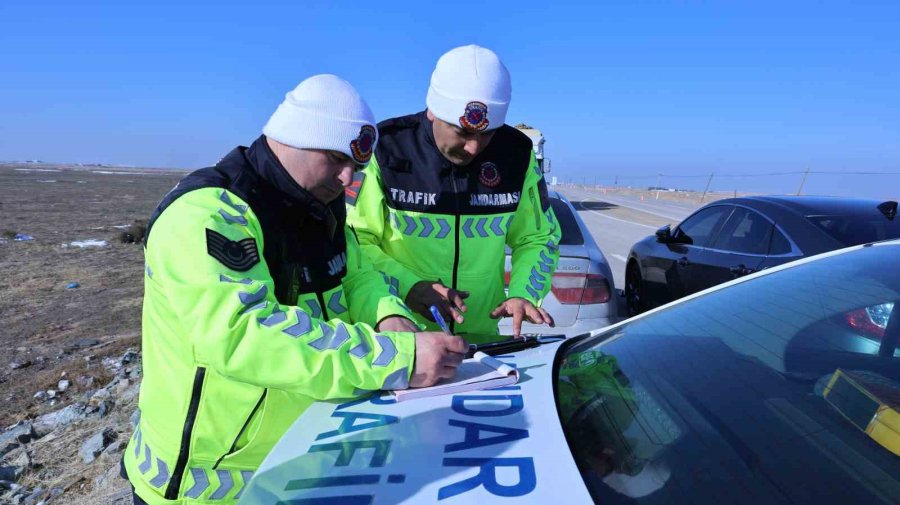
479, 372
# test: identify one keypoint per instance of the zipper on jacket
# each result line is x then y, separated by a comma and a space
455, 238
322, 304
184, 451
243, 428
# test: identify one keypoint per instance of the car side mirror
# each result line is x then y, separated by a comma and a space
664, 234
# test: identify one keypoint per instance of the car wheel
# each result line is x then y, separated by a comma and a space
634, 290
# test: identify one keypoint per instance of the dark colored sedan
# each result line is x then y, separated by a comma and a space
737, 236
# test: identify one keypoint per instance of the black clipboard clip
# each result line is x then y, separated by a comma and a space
513, 344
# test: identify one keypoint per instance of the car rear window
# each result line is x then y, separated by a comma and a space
855, 230
571, 233
745, 232
780, 244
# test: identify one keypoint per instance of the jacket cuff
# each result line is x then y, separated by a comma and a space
405, 359
402, 281
526, 294
391, 306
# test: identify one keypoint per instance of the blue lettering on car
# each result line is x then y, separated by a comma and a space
475, 433
510, 404
487, 477
346, 450
348, 425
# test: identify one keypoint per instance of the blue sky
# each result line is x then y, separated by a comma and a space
626, 89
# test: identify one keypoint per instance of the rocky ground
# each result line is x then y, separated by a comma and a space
70, 298
71, 455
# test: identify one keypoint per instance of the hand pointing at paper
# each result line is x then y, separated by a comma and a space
437, 357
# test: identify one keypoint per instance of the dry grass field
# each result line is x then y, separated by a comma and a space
49, 331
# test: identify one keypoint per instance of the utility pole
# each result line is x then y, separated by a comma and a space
707, 186
802, 182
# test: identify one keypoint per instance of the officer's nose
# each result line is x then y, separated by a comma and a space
346, 175
472, 147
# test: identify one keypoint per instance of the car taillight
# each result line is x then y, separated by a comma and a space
575, 289
871, 321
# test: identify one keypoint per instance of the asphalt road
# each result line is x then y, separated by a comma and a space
618, 221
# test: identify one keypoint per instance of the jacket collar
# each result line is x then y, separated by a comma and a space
266, 165
425, 133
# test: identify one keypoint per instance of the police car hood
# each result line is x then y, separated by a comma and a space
502, 445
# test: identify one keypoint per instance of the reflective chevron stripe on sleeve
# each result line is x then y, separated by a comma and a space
218, 484
334, 303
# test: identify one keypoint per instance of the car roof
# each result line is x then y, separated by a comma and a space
814, 205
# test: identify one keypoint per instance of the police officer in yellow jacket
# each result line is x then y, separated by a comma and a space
258, 301
448, 189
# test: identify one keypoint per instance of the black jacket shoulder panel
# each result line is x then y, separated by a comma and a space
394, 124
514, 140
400, 143
303, 253
514, 148
415, 175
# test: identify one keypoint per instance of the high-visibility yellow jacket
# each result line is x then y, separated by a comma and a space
419, 217
256, 303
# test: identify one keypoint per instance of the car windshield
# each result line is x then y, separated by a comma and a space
855, 230
783, 389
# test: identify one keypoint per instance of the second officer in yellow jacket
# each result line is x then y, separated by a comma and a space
447, 191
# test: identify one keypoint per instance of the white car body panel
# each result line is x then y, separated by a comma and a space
429, 450
420, 437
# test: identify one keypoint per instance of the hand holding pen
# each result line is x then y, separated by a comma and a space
437, 354
439, 319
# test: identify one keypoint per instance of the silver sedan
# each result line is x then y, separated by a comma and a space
582, 294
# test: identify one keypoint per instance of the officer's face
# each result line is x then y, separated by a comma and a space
323, 173
459, 146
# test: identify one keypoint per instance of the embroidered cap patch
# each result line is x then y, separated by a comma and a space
238, 255
363, 145
475, 117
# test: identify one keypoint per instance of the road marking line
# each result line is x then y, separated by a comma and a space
649, 209
620, 220
619, 257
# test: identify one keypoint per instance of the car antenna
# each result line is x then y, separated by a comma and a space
889, 209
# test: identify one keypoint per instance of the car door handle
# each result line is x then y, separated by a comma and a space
740, 270
683, 261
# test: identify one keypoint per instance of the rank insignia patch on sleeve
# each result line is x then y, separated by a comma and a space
237, 255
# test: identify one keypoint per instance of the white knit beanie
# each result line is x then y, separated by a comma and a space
325, 112
470, 87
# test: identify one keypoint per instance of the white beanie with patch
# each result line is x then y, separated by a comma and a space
470, 87
325, 112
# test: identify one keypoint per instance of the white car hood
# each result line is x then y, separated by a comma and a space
502, 445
